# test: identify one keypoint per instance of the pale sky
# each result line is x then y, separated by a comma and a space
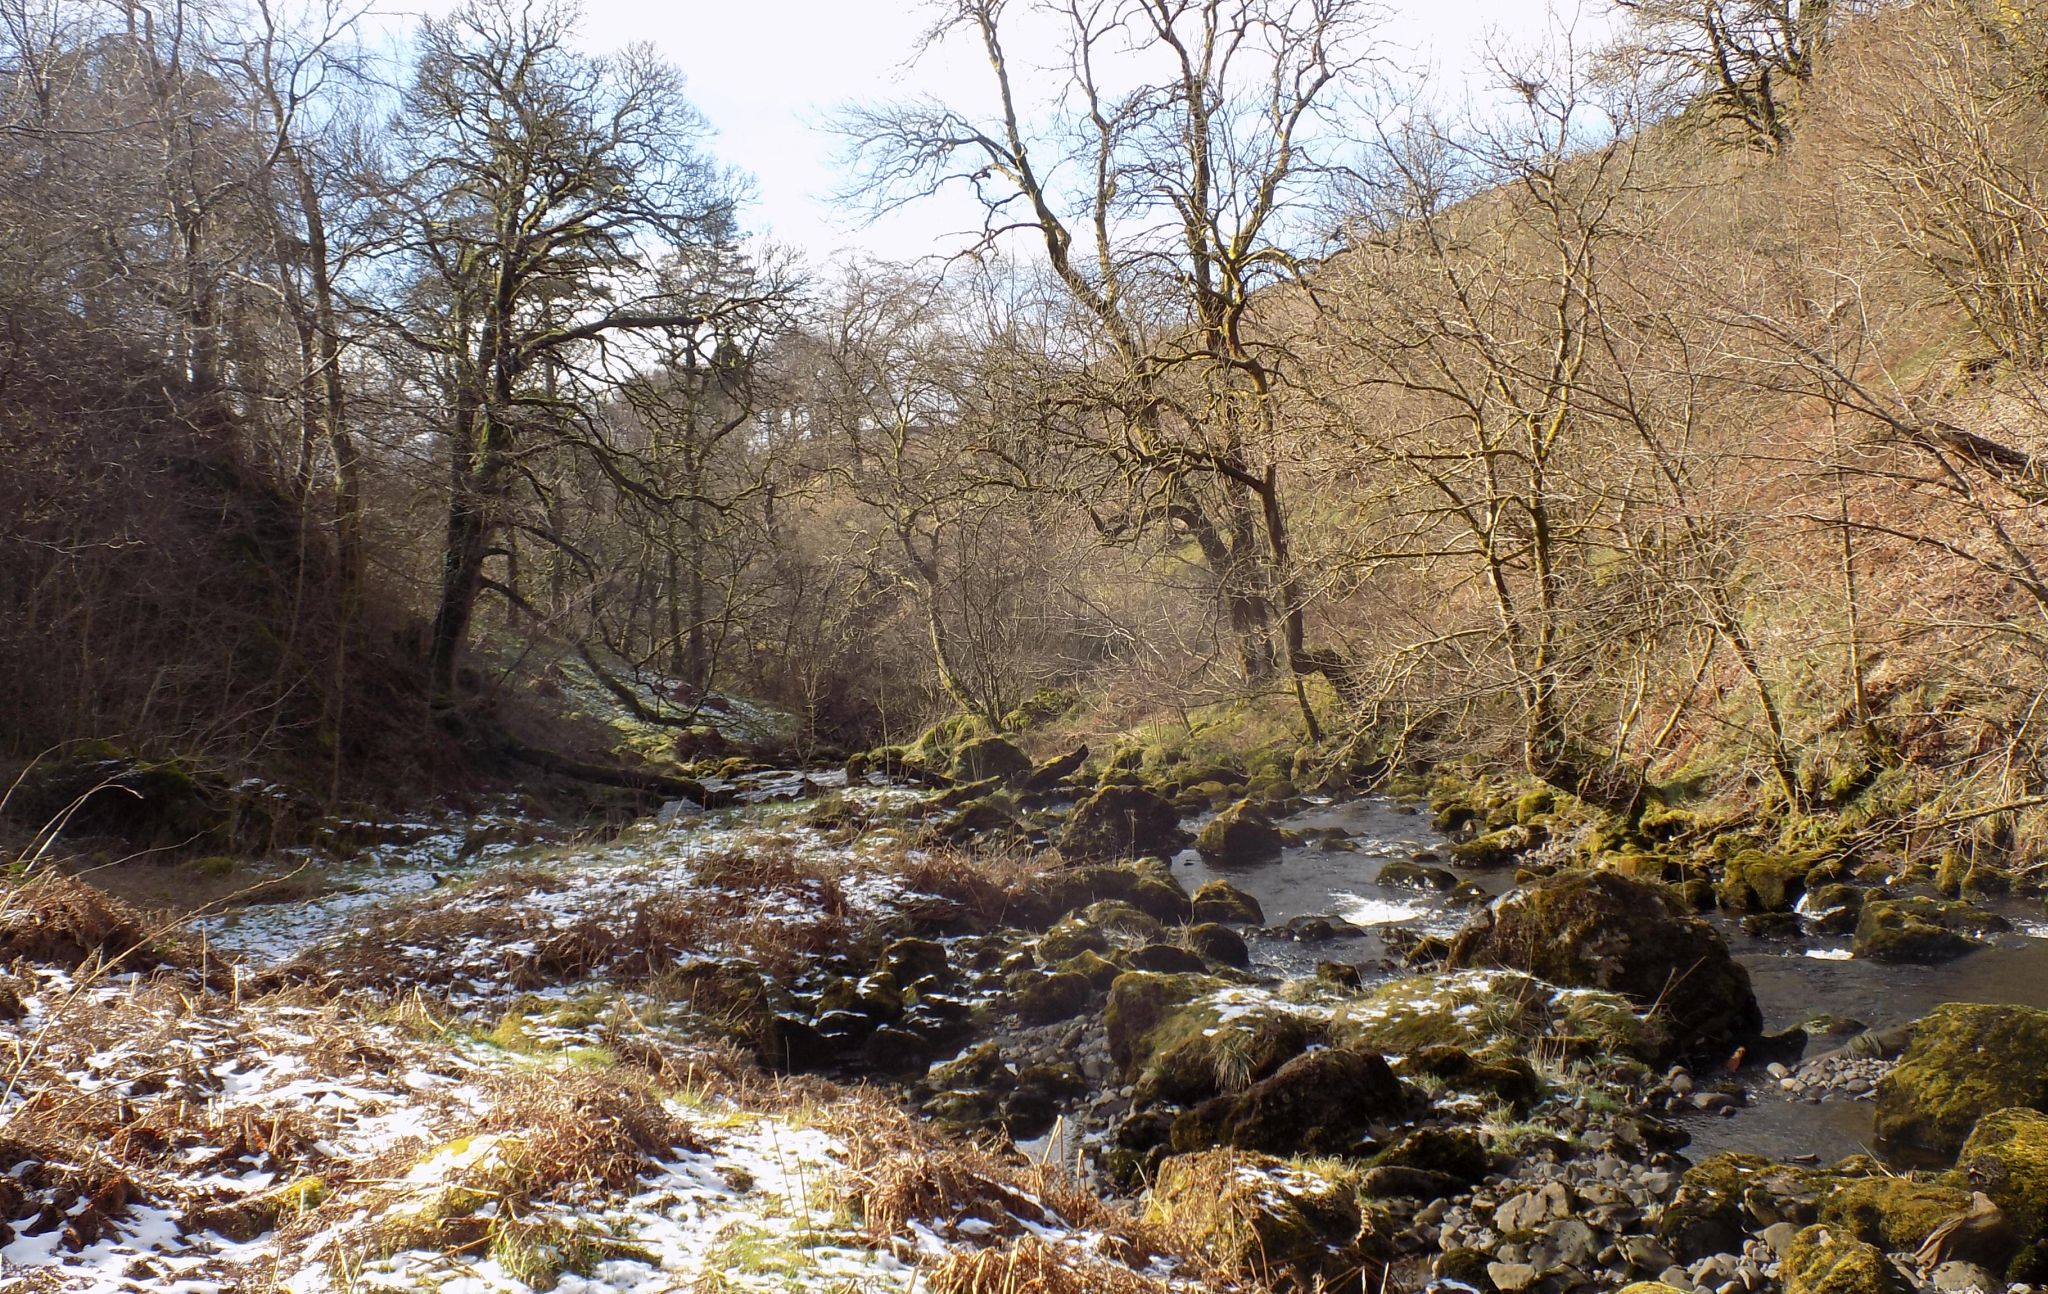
767, 74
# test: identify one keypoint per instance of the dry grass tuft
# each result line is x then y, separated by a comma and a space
584, 1127
56, 920
1034, 1266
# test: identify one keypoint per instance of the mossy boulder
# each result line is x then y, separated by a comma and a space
2006, 1157
936, 744
1184, 1038
1965, 1061
1122, 822
1893, 1213
1219, 900
1218, 943
1921, 930
1146, 885
1829, 1260
1166, 959
1724, 1197
1495, 1014
1454, 1153
101, 789
990, 758
1511, 1080
1403, 875
910, 960
1606, 931
1043, 997
1833, 908
978, 819
1322, 1102
1759, 882
1497, 848
1139, 1005
1240, 836
1094, 967
1293, 1224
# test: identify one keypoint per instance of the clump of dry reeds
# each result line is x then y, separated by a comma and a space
1034, 1266
56, 920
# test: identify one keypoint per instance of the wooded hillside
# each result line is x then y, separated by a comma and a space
1668, 428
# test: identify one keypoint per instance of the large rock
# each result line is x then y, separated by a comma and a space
1725, 1197
1501, 1016
1219, 900
1120, 822
1146, 885
1295, 1226
986, 758
1240, 836
1185, 1038
1893, 1213
1323, 1102
1920, 930
2006, 1157
1965, 1061
1608, 931
1758, 882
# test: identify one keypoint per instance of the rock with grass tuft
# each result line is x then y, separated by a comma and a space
1294, 1225
1606, 931
1119, 822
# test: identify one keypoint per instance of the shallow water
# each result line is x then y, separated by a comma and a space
1794, 981
1343, 882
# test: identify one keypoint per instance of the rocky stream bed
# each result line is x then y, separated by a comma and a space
1335, 1048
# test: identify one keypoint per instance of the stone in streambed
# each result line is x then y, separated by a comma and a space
1240, 836
1218, 943
1219, 900
1920, 930
2006, 1157
1322, 1102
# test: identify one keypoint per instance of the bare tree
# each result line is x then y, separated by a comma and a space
1170, 170
538, 189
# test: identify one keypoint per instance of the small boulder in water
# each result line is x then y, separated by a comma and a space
1219, 900
1240, 836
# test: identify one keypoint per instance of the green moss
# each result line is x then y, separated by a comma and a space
1496, 848
990, 759
1121, 822
1042, 706
1894, 1213
1239, 836
2007, 1155
1708, 1215
1919, 930
1219, 900
1044, 997
1605, 931
1755, 881
1965, 1061
1493, 1015
1822, 1260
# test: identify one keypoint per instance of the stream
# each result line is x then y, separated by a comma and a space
1794, 981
